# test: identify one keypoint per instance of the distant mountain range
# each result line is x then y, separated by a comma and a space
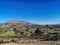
20, 23
27, 24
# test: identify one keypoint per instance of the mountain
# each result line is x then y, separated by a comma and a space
27, 24
18, 23
26, 29
56, 25
18, 28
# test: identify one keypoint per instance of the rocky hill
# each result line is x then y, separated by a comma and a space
17, 28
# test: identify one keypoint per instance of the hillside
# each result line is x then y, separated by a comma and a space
21, 29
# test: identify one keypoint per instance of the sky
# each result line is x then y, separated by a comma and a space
35, 11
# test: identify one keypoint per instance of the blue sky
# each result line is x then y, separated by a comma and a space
35, 11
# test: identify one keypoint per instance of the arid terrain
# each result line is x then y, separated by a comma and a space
25, 33
41, 43
23, 44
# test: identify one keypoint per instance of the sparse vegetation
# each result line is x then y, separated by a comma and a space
14, 31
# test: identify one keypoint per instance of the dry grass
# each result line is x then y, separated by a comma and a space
40, 43
23, 44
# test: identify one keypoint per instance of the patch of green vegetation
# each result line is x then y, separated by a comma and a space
8, 33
